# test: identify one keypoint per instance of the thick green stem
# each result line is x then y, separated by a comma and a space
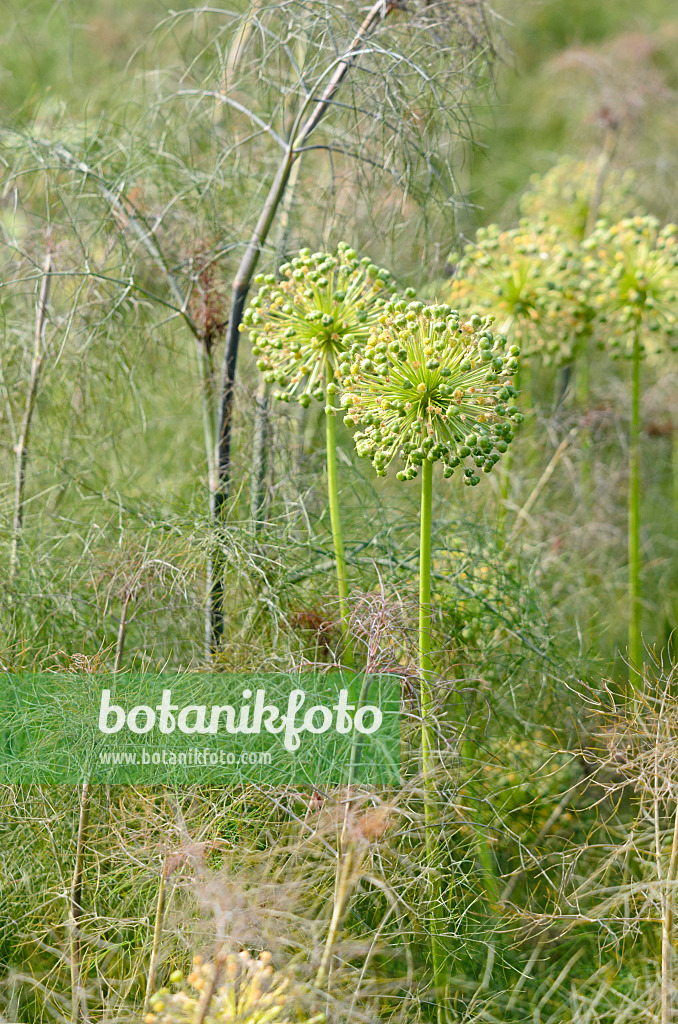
425, 664
635, 654
335, 521
428, 735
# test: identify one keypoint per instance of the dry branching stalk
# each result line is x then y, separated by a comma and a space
21, 449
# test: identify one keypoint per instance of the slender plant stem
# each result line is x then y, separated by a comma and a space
425, 662
635, 651
21, 448
428, 735
157, 935
122, 631
260, 457
78, 999
335, 521
667, 929
342, 890
210, 989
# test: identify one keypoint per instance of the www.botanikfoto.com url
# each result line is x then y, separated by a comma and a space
192, 756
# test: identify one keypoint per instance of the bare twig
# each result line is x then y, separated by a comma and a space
79, 1009
21, 449
122, 629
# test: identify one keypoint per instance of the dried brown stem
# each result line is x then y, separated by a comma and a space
21, 449
122, 630
78, 998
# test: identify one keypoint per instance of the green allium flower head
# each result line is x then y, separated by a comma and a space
300, 326
512, 274
248, 992
569, 305
428, 386
634, 268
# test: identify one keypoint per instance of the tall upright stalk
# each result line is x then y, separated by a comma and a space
335, 522
668, 914
435, 427
260, 457
635, 656
79, 1010
428, 732
21, 448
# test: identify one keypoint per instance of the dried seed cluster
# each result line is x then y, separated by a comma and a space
250, 993
429, 386
299, 325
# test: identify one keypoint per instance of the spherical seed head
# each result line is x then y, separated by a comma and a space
302, 325
432, 388
247, 990
510, 274
634, 273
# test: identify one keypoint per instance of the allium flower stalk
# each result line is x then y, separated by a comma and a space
429, 387
300, 327
635, 272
